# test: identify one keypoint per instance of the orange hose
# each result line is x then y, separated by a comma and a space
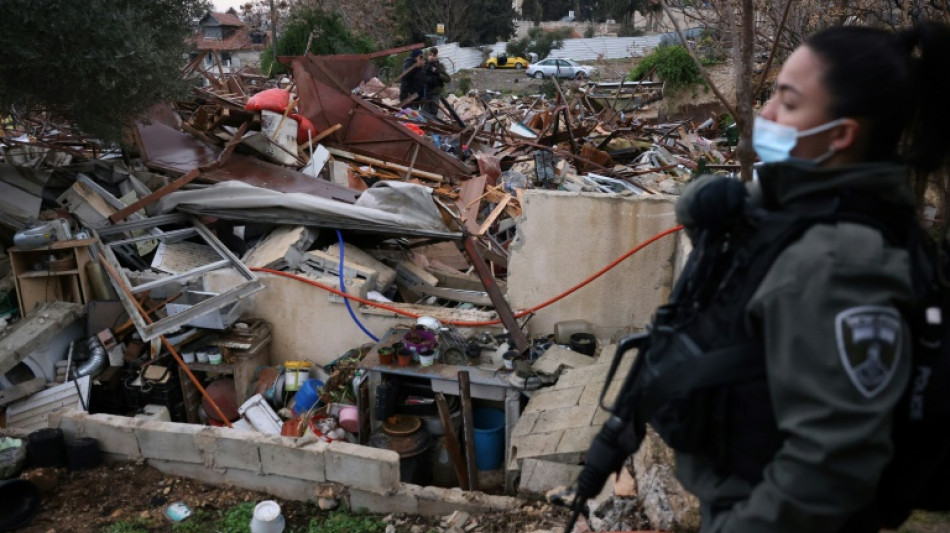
461, 323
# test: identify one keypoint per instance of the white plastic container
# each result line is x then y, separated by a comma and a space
267, 518
260, 415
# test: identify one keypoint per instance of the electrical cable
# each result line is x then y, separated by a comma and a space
346, 300
469, 324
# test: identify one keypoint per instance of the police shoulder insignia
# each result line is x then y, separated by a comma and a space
869, 344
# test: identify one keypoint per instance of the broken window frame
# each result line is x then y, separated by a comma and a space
173, 322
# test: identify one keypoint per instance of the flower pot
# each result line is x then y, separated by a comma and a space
404, 358
386, 355
427, 357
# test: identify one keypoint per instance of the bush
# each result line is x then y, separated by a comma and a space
628, 30
465, 84
330, 36
673, 65
590, 32
538, 41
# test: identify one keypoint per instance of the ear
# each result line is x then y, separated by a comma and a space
846, 136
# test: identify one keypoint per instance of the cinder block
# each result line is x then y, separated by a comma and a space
557, 356
401, 501
363, 467
525, 425
567, 418
284, 456
550, 399
535, 445
577, 440
580, 377
115, 434
230, 448
170, 441
539, 476
279, 486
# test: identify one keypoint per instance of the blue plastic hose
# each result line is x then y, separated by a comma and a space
346, 301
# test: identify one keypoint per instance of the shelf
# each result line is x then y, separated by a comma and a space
48, 273
223, 368
59, 245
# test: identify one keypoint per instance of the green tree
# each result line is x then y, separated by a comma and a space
97, 63
468, 22
672, 64
538, 41
329, 36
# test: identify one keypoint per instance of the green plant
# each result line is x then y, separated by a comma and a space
236, 519
129, 526
329, 32
590, 31
538, 41
548, 89
465, 84
344, 522
672, 64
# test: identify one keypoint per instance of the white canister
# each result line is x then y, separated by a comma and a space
267, 518
214, 356
202, 355
429, 323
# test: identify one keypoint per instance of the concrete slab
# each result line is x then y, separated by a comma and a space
577, 440
557, 357
115, 434
436, 501
539, 476
362, 467
580, 377
402, 501
525, 425
43, 335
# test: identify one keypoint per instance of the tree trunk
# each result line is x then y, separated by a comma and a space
742, 59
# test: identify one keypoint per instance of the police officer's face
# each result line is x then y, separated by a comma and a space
802, 101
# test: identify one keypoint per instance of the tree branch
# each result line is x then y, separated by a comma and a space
778, 34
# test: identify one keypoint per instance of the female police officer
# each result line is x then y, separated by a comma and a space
855, 110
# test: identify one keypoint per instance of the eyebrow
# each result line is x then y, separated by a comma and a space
786, 87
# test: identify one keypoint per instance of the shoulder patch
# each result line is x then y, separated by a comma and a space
869, 344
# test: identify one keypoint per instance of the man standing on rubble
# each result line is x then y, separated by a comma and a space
435, 79
412, 79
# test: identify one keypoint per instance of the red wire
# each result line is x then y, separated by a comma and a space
462, 323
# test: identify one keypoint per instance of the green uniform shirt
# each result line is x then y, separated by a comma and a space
837, 363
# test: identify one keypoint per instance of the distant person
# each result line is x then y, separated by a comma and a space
412, 79
435, 79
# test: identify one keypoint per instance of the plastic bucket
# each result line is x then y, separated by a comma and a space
298, 372
307, 396
489, 437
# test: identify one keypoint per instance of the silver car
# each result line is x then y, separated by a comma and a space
562, 68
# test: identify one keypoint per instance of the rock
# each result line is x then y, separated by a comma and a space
46, 479
664, 502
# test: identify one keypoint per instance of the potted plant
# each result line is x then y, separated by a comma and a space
404, 357
386, 355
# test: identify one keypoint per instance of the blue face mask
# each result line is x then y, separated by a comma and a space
774, 142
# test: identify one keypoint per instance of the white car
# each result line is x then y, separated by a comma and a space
562, 68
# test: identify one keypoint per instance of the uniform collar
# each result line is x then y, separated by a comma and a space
790, 182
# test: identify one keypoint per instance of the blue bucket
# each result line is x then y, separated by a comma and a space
307, 396
489, 427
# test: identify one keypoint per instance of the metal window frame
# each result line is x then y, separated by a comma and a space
173, 322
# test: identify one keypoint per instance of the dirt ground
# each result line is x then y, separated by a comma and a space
91, 501
515, 81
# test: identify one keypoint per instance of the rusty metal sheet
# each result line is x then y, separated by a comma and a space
324, 88
166, 148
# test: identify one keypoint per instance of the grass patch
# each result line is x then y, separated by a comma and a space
129, 526
236, 519
343, 522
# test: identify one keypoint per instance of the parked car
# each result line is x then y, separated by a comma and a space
562, 68
503, 61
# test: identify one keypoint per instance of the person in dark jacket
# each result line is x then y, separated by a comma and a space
803, 447
435, 79
412, 80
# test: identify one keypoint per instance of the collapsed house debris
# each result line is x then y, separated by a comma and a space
167, 254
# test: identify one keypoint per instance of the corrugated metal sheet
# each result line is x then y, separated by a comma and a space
457, 58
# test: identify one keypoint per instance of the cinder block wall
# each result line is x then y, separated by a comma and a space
285, 467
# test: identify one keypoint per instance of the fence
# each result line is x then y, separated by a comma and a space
458, 58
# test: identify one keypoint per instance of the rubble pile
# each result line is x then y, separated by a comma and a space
320, 176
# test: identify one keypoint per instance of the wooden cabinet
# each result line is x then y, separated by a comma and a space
56, 272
